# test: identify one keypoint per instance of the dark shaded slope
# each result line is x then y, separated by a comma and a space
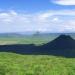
63, 45
61, 42
19, 48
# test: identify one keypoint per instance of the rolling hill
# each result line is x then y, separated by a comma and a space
64, 45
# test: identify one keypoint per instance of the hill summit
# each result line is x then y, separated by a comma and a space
61, 42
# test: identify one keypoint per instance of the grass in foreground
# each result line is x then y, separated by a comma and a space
15, 64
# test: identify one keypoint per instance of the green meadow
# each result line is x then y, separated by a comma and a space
37, 40
15, 64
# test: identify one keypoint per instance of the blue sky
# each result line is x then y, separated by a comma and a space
37, 15
31, 5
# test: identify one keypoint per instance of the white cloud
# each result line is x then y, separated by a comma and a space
44, 16
55, 19
13, 12
64, 2
52, 21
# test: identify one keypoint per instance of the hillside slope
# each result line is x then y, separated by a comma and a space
15, 64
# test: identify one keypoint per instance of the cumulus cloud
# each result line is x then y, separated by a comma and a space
64, 2
49, 21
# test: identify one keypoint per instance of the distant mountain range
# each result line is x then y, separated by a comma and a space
19, 34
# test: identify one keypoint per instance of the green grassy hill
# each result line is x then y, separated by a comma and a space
15, 64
